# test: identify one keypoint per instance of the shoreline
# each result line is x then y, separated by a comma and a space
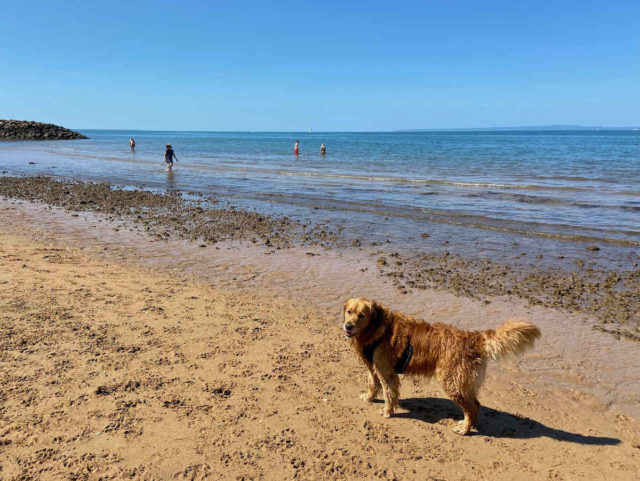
611, 296
473, 196
572, 355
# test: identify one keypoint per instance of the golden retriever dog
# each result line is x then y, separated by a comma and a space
390, 343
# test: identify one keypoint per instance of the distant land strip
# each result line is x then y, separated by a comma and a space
521, 128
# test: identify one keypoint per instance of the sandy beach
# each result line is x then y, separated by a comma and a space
127, 353
193, 193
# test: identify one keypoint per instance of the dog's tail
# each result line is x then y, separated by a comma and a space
510, 339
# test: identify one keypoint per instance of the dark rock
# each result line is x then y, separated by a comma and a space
102, 390
26, 130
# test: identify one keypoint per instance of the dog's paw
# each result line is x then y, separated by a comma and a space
462, 429
386, 413
366, 397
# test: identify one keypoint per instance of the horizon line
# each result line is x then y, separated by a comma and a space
551, 127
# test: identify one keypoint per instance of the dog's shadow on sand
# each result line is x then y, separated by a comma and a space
494, 423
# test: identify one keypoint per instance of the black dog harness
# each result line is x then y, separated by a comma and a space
403, 361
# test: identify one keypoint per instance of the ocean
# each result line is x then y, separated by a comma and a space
499, 195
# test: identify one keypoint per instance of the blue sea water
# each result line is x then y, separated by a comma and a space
486, 193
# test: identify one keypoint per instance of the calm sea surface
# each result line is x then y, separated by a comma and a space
490, 194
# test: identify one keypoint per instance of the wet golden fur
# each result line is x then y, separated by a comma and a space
457, 358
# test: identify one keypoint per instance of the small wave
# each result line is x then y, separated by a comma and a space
573, 178
408, 180
534, 199
397, 179
548, 235
510, 226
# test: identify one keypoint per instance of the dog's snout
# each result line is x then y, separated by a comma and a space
348, 326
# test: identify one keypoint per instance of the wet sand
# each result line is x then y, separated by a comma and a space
129, 353
572, 355
611, 296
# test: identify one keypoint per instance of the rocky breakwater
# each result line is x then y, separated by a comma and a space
26, 130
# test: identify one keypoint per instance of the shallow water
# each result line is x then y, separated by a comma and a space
491, 194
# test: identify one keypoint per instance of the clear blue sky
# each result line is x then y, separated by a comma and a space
326, 65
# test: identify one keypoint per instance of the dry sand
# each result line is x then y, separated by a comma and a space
117, 365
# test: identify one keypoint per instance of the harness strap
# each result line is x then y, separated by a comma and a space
403, 361
368, 351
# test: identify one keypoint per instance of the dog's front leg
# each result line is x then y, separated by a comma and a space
373, 386
390, 388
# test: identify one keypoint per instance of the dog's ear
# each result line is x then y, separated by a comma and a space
377, 313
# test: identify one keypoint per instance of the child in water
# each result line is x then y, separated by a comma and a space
323, 149
169, 155
295, 148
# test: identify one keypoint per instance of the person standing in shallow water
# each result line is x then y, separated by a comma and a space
169, 155
132, 144
323, 149
295, 147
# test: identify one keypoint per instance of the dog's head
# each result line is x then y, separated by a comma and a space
359, 314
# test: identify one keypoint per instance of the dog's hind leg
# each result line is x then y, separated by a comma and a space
373, 386
461, 383
468, 401
470, 408
390, 388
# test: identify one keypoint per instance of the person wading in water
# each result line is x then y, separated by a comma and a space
169, 155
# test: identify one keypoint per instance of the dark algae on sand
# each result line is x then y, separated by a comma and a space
193, 217
612, 297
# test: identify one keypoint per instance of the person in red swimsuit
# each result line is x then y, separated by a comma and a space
295, 148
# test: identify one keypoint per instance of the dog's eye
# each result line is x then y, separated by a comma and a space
361, 315
348, 312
